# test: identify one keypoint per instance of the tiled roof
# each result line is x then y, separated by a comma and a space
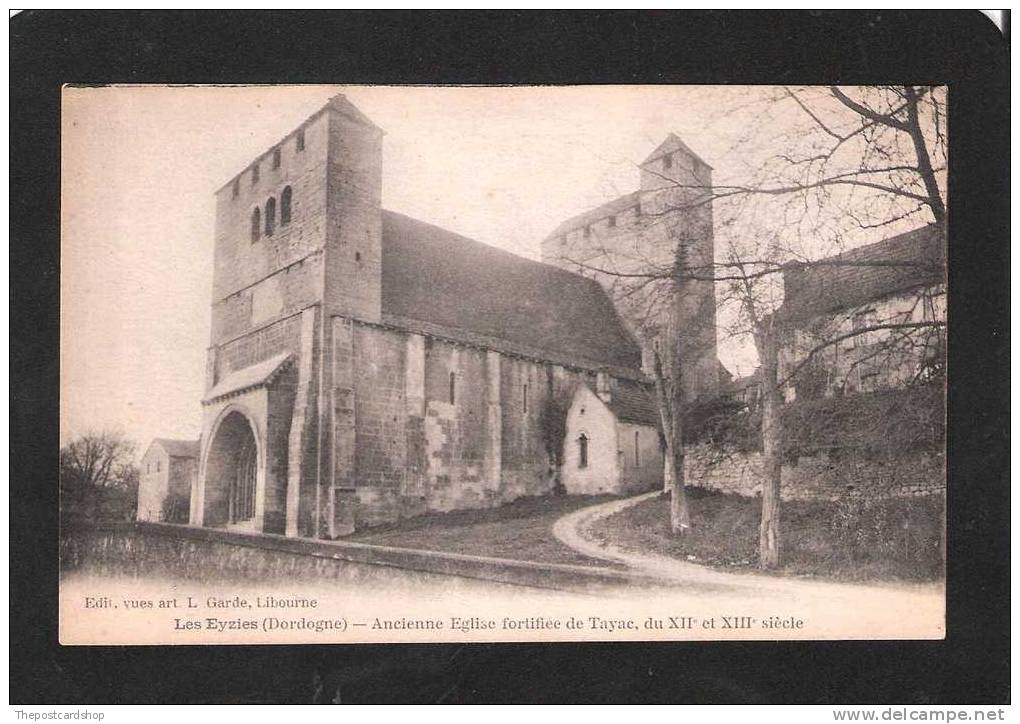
449, 281
257, 375
914, 259
634, 402
178, 448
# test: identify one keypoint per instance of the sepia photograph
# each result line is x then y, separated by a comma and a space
376, 364
535, 357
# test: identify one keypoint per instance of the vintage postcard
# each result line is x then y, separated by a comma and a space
472, 364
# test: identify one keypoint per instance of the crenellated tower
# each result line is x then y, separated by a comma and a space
664, 226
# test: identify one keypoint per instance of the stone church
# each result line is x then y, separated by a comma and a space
364, 366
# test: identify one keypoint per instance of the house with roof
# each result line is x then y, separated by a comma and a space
168, 472
612, 442
364, 366
623, 241
868, 319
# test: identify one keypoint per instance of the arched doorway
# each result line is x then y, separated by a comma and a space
232, 473
242, 491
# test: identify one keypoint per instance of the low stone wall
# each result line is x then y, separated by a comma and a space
209, 554
816, 477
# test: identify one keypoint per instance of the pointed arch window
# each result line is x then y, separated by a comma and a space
285, 201
256, 224
582, 451
270, 216
453, 387
276, 158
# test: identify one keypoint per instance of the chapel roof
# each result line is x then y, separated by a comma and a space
634, 402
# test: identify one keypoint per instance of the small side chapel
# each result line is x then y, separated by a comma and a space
612, 441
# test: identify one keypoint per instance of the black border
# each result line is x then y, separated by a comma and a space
963, 49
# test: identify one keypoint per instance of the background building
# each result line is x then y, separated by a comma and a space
168, 471
888, 285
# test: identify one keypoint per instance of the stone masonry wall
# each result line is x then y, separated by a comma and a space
281, 336
455, 431
353, 261
368, 424
525, 391
279, 417
817, 477
379, 408
240, 261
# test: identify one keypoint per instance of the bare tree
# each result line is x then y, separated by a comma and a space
94, 465
834, 163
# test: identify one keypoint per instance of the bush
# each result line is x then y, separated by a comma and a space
722, 422
888, 423
908, 530
175, 508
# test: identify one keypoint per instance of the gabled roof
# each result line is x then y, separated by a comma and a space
257, 375
635, 403
607, 209
913, 259
177, 448
672, 144
739, 384
340, 103
449, 281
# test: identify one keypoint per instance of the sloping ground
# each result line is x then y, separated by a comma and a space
521, 530
886, 540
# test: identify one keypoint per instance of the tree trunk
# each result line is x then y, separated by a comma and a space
772, 459
679, 514
669, 392
667, 469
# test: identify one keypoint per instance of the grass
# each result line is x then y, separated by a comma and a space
891, 540
520, 530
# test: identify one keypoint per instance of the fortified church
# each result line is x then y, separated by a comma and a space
364, 366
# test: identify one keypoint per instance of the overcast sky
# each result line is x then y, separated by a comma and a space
140, 165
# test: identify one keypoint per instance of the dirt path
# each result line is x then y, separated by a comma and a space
574, 530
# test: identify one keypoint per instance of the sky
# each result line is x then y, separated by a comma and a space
140, 165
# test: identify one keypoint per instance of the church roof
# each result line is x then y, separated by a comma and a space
256, 375
672, 144
634, 402
858, 276
439, 280
177, 448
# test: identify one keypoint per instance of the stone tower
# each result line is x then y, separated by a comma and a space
297, 240
665, 222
